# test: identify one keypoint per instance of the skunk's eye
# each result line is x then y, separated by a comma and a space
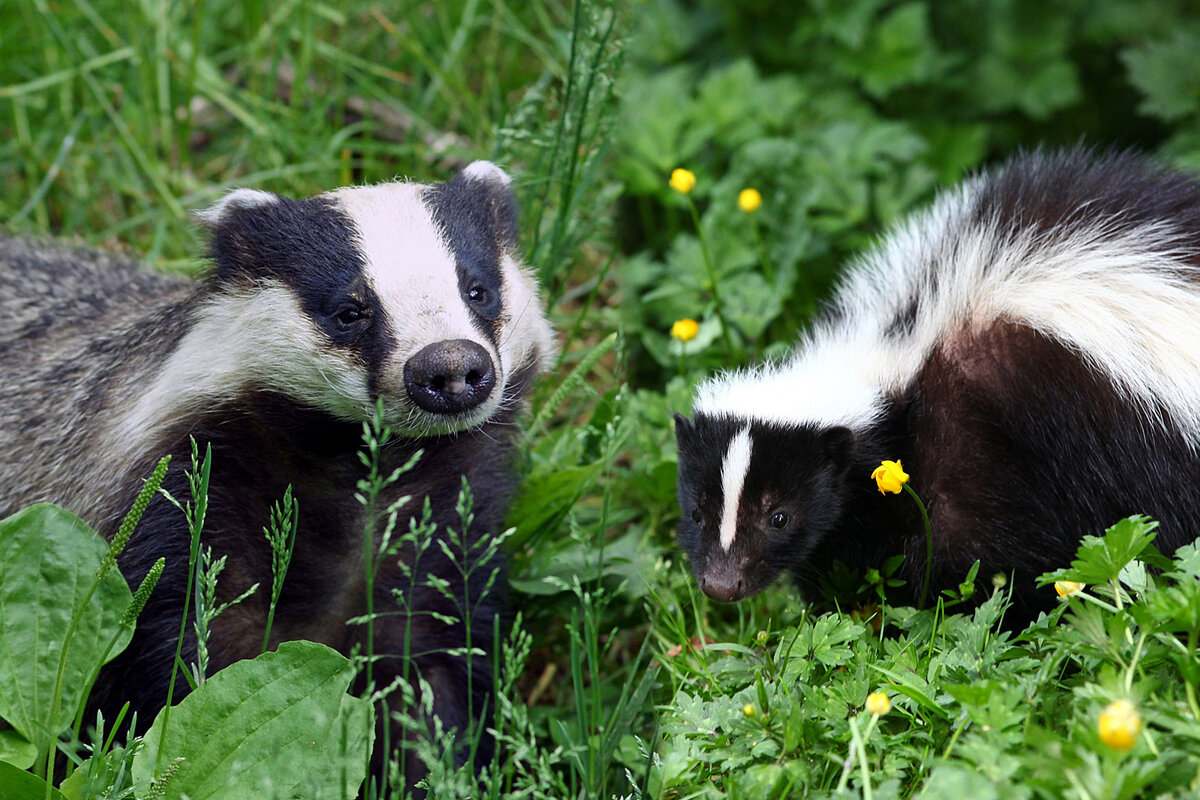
696, 516
779, 520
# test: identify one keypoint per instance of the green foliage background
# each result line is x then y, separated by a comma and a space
117, 118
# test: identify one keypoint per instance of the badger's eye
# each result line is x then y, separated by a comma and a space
696, 516
350, 317
477, 295
779, 520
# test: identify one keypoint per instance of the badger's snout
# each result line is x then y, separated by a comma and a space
450, 377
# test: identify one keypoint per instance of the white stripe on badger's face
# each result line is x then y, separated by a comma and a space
252, 338
733, 479
413, 273
411, 269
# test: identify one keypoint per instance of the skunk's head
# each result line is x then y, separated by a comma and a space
756, 498
404, 292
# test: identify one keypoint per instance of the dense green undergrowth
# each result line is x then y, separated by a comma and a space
117, 119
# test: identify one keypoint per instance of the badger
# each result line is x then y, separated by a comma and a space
407, 297
1025, 348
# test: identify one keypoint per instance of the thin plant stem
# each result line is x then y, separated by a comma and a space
765, 259
198, 480
1188, 688
711, 271
928, 544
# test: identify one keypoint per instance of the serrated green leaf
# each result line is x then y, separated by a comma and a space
906, 684
1101, 559
1168, 75
899, 52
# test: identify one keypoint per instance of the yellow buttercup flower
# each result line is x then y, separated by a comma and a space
1120, 725
889, 477
749, 200
685, 330
683, 181
1067, 588
878, 704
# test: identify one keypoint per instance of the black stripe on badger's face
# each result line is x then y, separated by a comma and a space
755, 499
478, 218
309, 246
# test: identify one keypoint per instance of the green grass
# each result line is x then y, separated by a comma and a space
118, 119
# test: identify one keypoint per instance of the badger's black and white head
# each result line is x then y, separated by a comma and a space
756, 497
401, 291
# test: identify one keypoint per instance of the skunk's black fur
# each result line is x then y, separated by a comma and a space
1026, 349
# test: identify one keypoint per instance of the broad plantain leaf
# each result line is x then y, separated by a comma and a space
16, 749
280, 725
48, 564
16, 784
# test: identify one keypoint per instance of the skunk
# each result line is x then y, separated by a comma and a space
1027, 348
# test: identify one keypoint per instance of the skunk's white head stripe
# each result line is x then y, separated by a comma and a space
733, 478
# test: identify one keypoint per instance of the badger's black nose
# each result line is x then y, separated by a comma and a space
449, 377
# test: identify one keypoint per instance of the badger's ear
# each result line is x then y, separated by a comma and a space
234, 224
837, 446
481, 198
225, 208
487, 172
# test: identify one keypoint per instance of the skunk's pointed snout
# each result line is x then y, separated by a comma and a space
723, 582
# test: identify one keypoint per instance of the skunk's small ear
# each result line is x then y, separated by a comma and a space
837, 446
223, 209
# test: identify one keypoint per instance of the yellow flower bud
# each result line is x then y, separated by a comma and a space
889, 477
878, 704
749, 710
1120, 725
685, 330
683, 181
749, 200
1067, 588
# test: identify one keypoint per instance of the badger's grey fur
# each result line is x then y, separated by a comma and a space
312, 311
1026, 347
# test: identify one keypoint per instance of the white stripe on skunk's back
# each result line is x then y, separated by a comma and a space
1124, 296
